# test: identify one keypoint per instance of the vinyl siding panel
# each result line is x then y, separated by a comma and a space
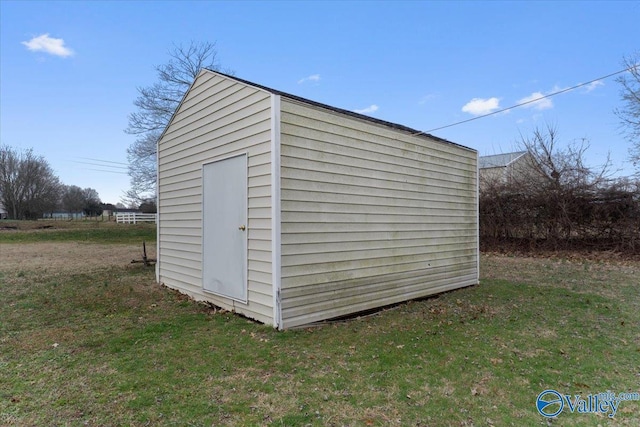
370, 215
218, 118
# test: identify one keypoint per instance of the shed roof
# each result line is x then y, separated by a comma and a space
499, 160
391, 125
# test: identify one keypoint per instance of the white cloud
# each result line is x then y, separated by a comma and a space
479, 106
44, 43
312, 78
593, 85
370, 109
537, 101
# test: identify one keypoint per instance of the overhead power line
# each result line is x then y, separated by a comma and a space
101, 165
102, 161
108, 171
531, 100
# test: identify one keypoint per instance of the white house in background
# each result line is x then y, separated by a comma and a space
502, 168
289, 211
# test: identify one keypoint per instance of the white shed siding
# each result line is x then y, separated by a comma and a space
217, 118
370, 215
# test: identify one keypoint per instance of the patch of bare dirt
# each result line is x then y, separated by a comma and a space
68, 257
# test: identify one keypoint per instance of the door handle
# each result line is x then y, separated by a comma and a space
242, 227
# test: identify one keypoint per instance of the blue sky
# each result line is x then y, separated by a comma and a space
69, 70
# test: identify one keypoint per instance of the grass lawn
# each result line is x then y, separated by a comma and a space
86, 338
74, 231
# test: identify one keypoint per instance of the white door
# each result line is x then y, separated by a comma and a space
224, 227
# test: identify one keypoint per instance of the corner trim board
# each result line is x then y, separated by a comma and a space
478, 217
158, 223
275, 210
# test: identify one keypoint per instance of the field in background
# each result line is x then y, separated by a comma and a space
86, 338
93, 231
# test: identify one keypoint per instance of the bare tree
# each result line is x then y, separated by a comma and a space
558, 167
556, 201
72, 199
76, 200
92, 203
155, 106
28, 185
148, 207
564, 183
629, 114
142, 166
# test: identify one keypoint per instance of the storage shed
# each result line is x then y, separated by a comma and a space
289, 211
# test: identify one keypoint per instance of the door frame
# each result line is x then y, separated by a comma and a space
245, 272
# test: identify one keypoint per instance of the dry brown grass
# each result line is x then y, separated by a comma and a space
68, 257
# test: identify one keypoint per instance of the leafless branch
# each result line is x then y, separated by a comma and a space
155, 106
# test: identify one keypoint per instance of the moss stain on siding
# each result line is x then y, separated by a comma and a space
320, 284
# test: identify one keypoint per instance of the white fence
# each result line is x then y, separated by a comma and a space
134, 218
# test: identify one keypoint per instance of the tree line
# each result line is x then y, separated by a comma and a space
554, 201
29, 188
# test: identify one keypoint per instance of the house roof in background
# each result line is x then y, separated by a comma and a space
499, 160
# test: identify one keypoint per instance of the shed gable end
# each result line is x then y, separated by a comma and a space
218, 118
